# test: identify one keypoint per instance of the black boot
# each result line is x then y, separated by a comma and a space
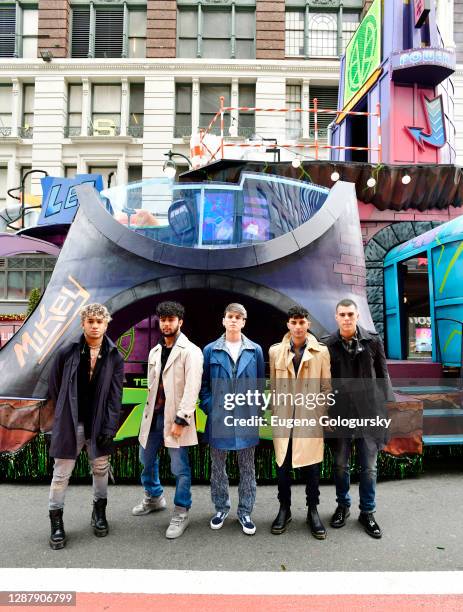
282, 519
99, 522
317, 528
57, 537
367, 519
339, 517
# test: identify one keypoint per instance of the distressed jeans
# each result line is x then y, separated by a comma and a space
219, 480
367, 453
63, 468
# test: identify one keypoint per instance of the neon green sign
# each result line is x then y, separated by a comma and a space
363, 53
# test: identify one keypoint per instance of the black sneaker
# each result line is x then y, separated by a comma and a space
367, 519
246, 523
339, 517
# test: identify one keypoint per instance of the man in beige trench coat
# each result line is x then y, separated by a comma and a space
301, 388
175, 367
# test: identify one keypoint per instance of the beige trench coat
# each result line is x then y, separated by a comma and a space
182, 381
313, 377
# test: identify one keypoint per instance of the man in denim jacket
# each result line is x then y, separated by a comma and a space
232, 365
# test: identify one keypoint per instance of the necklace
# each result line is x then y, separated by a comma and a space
94, 355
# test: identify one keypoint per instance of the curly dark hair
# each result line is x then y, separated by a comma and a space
170, 309
298, 312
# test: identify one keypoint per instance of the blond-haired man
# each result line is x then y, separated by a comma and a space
85, 386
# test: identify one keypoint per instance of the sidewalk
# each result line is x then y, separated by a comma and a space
420, 518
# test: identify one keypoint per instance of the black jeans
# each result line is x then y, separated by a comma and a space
311, 476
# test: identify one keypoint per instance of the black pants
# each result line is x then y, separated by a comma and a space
311, 476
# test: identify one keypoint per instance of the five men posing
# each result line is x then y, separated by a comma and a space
86, 387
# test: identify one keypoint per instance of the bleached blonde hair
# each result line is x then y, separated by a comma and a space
95, 310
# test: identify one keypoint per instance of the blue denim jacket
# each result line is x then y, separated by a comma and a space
222, 376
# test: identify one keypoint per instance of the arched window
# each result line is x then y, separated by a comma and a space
323, 33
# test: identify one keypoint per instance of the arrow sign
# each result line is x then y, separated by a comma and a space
435, 134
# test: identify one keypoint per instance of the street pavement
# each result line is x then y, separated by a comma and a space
421, 520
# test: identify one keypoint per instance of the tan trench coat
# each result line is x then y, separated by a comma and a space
314, 376
182, 381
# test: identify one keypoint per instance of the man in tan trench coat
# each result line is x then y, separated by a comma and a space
301, 388
175, 367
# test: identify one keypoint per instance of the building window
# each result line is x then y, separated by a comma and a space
209, 103
294, 33
137, 34
106, 110
108, 31
30, 32
108, 174
19, 29
20, 274
70, 171
293, 121
136, 110
216, 32
5, 109
27, 127
182, 110
74, 110
8, 46
350, 23
247, 119
327, 97
3, 185
319, 33
134, 174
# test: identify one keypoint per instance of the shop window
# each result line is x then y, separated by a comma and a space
21, 274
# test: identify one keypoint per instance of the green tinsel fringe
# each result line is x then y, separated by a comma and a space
32, 464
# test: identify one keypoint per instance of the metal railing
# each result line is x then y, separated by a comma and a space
26, 132
182, 131
135, 130
113, 130
5, 131
70, 131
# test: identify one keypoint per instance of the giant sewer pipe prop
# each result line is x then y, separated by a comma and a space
104, 261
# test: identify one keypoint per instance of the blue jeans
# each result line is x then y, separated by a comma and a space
367, 453
179, 465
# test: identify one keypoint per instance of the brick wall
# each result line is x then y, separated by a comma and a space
54, 22
270, 29
161, 28
366, 6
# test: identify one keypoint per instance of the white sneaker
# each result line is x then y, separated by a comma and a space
149, 504
178, 523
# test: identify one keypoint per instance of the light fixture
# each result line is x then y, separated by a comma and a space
296, 162
46, 55
335, 176
169, 168
371, 182
406, 179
